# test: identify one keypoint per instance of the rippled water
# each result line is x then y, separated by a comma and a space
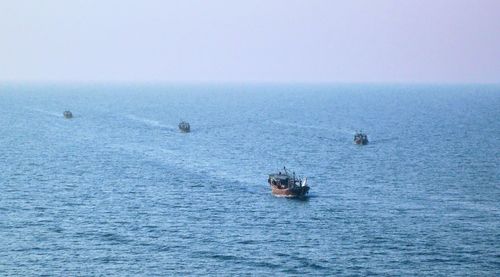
117, 190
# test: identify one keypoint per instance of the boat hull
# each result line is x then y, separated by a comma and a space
361, 141
289, 192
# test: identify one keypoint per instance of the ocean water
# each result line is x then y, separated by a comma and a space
119, 191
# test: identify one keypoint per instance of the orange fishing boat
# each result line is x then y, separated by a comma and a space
287, 185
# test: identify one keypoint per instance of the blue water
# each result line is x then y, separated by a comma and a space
118, 190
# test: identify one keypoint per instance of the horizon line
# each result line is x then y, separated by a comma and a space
212, 82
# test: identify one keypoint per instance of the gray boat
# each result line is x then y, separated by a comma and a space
184, 127
67, 114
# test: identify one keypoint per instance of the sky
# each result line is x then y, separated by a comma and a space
417, 41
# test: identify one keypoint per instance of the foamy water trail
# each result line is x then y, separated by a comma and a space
51, 113
340, 130
149, 122
346, 131
296, 125
200, 165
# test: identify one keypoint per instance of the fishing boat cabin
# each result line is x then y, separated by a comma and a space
360, 138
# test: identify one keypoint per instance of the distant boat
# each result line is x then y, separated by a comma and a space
184, 127
287, 185
360, 138
67, 114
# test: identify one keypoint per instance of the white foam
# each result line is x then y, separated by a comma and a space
149, 122
51, 113
200, 165
315, 127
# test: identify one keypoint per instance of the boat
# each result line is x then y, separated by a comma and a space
287, 185
360, 138
67, 114
184, 127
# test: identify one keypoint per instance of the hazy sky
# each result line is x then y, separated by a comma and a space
250, 41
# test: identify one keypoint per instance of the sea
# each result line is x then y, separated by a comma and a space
118, 191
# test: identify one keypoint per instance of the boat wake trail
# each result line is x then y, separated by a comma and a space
200, 165
340, 130
51, 113
296, 125
345, 131
149, 122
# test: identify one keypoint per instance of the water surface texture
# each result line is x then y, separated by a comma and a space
118, 190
